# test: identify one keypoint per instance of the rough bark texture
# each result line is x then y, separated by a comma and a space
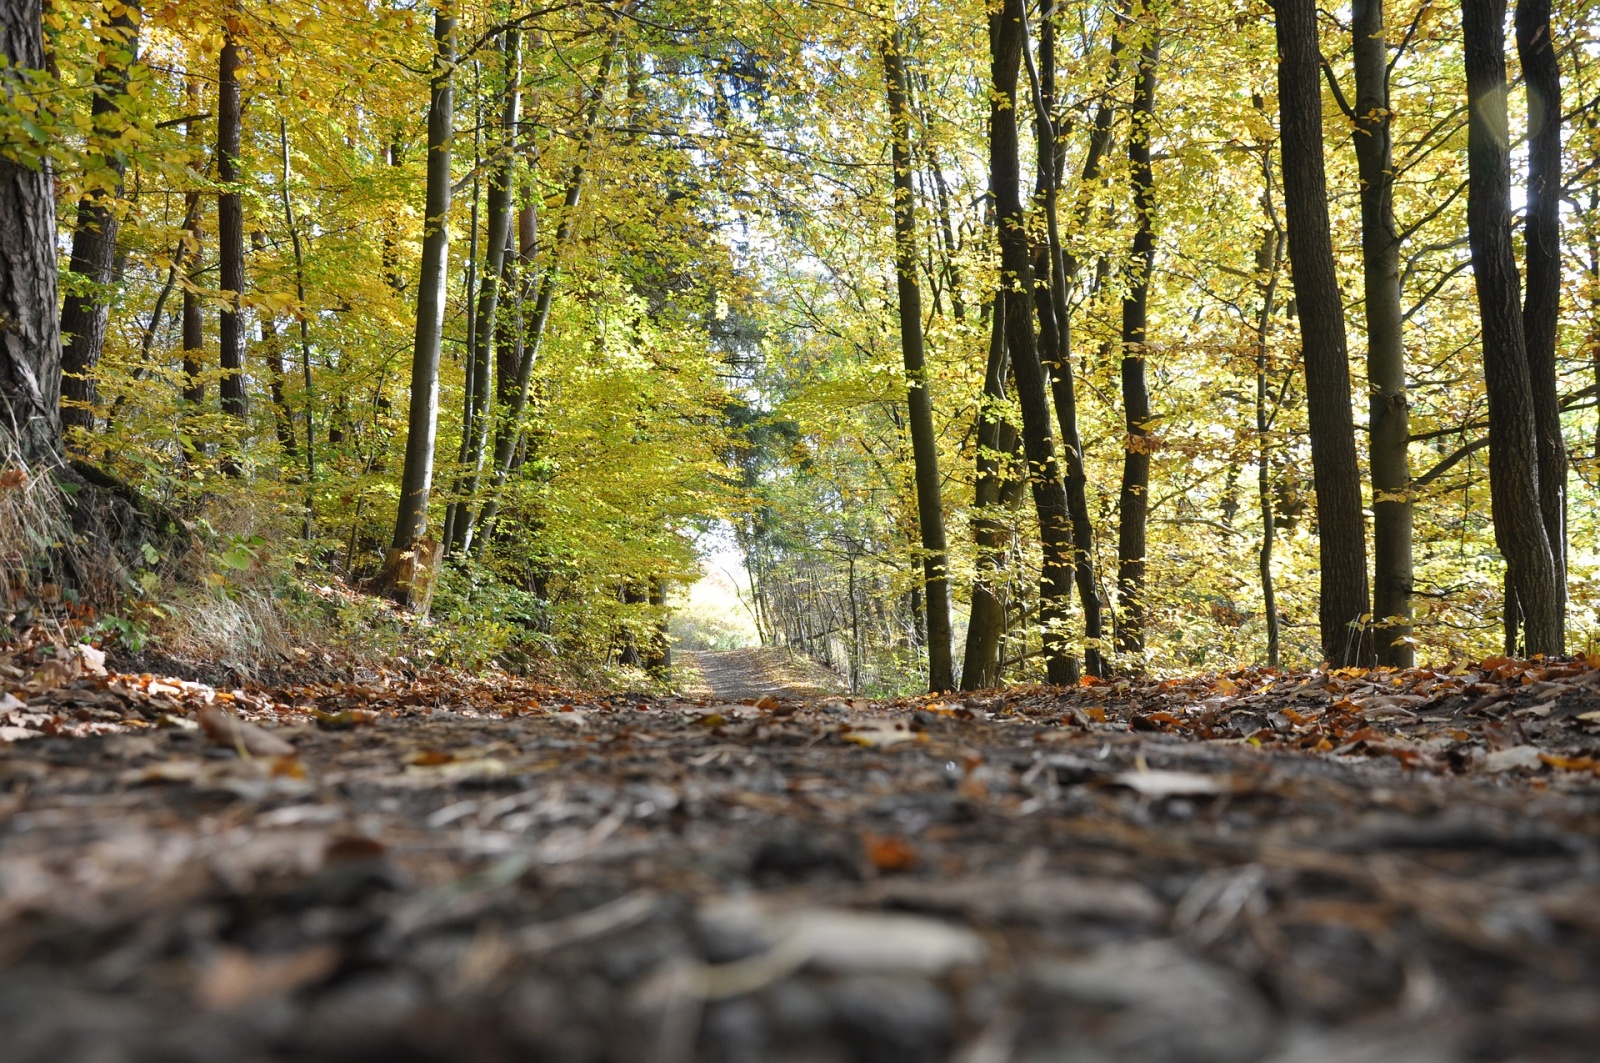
1389, 423
30, 340
1541, 307
1134, 500
230, 234
919, 400
411, 524
1344, 604
192, 323
1007, 29
94, 241
1519, 529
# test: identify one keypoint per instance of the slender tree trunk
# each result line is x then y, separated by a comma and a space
408, 568
1268, 263
1513, 428
94, 241
508, 437
980, 668
490, 331
1389, 431
1344, 604
30, 336
1134, 501
456, 512
230, 244
303, 318
919, 399
193, 320
1541, 307
1053, 279
277, 367
1007, 38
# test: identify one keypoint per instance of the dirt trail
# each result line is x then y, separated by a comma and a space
1256, 868
738, 675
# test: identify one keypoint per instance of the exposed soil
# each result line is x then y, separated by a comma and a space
756, 672
1254, 867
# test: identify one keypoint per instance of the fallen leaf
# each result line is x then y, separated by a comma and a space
248, 739
1517, 758
339, 721
1172, 783
236, 977
890, 854
879, 737
1570, 763
767, 703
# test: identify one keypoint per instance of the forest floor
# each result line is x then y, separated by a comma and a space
1395, 867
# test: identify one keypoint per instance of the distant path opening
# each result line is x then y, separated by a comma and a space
735, 675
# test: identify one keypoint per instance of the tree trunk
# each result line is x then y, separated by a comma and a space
94, 241
303, 316
489, 332
1513, 434
1134, 501
1389, 431
1007, 37
1343, 604
230, 246
30, 337
1056, 333
407, 575
508, 436
919, 399
1541, 307
980, 668
193, 321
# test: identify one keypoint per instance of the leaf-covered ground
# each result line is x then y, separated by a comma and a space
1351, 866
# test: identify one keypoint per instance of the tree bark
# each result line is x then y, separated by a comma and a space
919, 399
230, 245
1344, 603
94, 241
1389, 431
30, 337
1519, 527
1007, 37
1541, 307
980, 668
193, 321
408, 568
1134, 501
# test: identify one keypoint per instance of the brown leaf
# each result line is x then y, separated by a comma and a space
890, 854
248, 739
238, 977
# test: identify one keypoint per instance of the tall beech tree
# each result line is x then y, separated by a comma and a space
997, 438
1519, 525
919, 398
1134, 499
1541, 306
407, 568
94, 240
1343, 607
1389, 432
1007, 40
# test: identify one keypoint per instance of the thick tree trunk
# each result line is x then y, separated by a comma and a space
408, 569
919, 399
1134, 501
1513, 433
980, 668
94, 241
1344, 603
1007, 37
1541, 307
230, 244
1389, 423
30, 337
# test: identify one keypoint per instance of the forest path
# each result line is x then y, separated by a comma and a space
754, 672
